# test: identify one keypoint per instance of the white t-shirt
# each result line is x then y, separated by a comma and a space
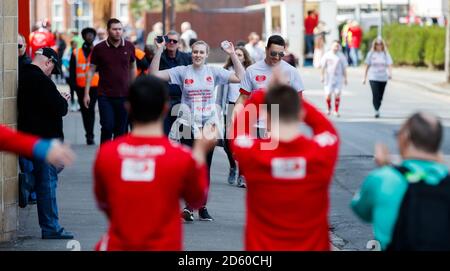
233, 90
334, 65
256, 53
258, 76
198, 92
378, 65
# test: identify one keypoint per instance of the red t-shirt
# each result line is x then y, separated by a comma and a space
17, 142
138, 184
40, 39
356, 37
310, 24
288, 187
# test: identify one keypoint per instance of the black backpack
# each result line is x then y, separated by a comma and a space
423, 222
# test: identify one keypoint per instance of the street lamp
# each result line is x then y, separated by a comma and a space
380, 22
164, 15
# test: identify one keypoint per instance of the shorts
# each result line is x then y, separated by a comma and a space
333, 88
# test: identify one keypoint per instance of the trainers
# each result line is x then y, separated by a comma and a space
241, 182
336, 114
232, 175
204, 215
62, 234
377, 114
187, 215
328, 112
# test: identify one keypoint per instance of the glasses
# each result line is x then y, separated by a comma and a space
172, 41
274, 54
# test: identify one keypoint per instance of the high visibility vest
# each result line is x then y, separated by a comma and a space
139, 54
83, 68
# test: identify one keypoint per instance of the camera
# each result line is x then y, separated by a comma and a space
159, 39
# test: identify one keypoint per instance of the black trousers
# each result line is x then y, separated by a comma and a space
88, 114
378, 88
226, 140
189, 141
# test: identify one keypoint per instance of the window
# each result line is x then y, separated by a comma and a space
58, 15
122, 11
82, 14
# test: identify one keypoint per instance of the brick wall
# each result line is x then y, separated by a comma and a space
216, 27
8, 93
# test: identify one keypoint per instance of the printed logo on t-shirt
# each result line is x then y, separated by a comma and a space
260, 78
209, 79
138, 170
189, 81
289, 168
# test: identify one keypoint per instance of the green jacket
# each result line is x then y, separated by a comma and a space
381, 195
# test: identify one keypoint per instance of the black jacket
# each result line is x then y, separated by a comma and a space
40, 105
181, 59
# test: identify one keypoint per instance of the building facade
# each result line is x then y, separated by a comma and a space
8, 94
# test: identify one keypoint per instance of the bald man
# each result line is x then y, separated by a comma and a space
409, 203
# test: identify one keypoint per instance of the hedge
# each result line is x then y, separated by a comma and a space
411, 45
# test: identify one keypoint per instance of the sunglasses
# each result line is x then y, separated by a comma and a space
274, 54
20, 46
172, 41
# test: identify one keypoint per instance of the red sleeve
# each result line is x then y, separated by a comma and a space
17, 142
325, 134
245, 119
195, 188
100, 169
245, 92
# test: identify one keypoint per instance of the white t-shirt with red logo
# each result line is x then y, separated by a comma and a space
258, 75
198, 92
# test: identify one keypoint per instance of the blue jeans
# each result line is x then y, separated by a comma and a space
26, 166
113, 117
46, 177
354, 56
309, 44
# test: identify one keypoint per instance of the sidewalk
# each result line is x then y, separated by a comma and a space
430, 80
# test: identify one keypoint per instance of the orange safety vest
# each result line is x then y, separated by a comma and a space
139, 55
83, 68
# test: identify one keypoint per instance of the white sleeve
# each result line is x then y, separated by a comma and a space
177, 75
221, 75
369, 58
246, 84
389, 59
323, 61
296, 81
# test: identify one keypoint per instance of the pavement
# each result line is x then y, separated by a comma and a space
358, 130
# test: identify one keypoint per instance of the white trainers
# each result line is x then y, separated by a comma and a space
336, 114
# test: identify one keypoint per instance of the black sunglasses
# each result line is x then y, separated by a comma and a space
172, 41
274, 54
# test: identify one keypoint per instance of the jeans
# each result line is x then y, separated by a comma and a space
46, 177
26, 166
169, 119
378, 88
354, 56
113, 117
88, 114
309, 44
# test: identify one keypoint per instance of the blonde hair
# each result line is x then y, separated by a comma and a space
378, 40
201, 42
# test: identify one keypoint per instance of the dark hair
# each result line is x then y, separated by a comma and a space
276, 39
241, 43
287, 100
192, 41
247, 59
310, 12
148, 96
111, 22
87, 30
424, 133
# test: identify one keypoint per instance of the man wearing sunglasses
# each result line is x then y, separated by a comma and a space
23, 57
41, 108
258, 75
172, 57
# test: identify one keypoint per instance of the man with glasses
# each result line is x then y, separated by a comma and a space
41, 108
408, 203
23, 57
173, 57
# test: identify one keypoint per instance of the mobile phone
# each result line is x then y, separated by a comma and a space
225, 44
